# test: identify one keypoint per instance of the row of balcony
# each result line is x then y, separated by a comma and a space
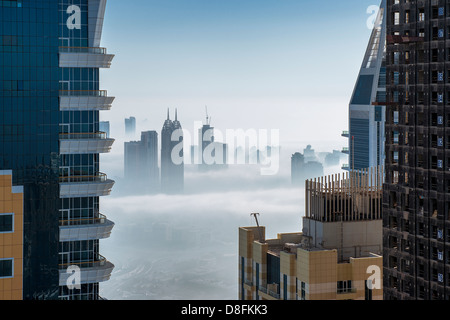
84, 57
85, 229
85, 186
85, 143
90, 272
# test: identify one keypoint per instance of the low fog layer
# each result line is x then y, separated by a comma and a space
186, 246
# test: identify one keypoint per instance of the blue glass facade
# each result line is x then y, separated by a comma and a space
29, 136
359, 140
33, 36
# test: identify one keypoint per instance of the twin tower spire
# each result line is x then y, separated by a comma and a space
176, 114
169, 123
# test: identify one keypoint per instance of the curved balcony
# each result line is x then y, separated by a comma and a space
83, 143
345, 150
84, 100
90, 272
85, 229
84, 57
85, 186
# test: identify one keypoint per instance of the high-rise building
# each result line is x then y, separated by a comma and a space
130, 127
105, 127
172, 157
335, 257
302, 169
417, 191
297, 165
141, 166
50, 139
211, 154
367, 108
11, 238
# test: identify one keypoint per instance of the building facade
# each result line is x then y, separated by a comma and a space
416, 194
11, 238
366, 133
141, 162
51, 100
337, 256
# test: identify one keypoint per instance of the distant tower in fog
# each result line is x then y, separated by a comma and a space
217, 151
172, 174
130, 126
105, 127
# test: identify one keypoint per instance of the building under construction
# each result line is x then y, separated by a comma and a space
334, 256
416, 196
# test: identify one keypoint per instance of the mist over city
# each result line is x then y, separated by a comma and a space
184, 246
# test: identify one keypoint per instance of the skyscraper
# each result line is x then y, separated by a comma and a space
130, 127
50, 139
212, 155
141, 162
172, 162
105, 127
417, 191
367, 109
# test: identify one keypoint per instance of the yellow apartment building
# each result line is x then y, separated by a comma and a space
337, 256
11, 238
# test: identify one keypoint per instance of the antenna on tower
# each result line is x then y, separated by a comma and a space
208, 118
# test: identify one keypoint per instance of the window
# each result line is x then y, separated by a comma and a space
6, 222
344, 286
6, 268
303, 291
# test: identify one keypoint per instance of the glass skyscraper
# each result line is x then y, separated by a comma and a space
50, 57
367, 109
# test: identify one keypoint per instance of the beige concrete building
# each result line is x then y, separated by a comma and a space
337, 256
11, 238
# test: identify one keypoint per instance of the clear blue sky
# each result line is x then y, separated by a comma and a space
255, 63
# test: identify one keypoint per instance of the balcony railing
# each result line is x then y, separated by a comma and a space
99, 262
101, 177
80, 222
93, 50
82, 136
83, 93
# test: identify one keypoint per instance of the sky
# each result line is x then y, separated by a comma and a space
289, 65
272, 64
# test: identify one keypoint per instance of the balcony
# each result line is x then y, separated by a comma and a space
84, 143
84, 57
85, 186
90, 272
345, 166
85, 229
345, 150
84, 100
345, 134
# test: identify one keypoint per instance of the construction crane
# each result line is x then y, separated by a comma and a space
255, 214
